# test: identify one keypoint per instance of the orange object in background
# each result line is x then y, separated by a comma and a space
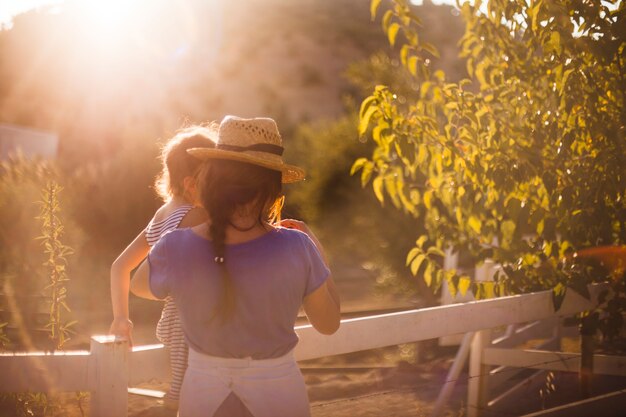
611, 257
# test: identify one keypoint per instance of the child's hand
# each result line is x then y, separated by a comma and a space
122, 327
295, 224
302, 226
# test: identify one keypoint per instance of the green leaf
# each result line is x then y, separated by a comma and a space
392, 189
365, 119
69, 324
422, 154
366, 173
374, 7
507, 228
428, 195
412, 65
565, 248
365, 105
377, 184
547, 248
387, 19
420, 241
392, 32
404, 54
358, 164
488, 289
474, 224
554, 43
558, 295
430, 48
434, 250
452, 288
566, 75
428, 274
416, 263
534, 15
411, 255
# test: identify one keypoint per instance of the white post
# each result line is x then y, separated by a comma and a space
109, 377
478, 384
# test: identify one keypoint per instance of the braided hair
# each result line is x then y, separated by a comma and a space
224, 187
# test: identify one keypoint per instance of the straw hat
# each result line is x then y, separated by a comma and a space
255, 141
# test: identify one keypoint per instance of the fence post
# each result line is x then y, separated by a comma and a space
478, 384
109, 377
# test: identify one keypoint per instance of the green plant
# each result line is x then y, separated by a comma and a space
20, 177
55, 264
523, 162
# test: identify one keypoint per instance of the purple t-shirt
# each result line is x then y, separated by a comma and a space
271, 275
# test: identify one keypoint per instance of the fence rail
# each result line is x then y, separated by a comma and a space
108, 368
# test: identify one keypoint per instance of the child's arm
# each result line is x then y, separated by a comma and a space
120, 285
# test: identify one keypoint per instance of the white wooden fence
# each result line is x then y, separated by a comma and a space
109, 367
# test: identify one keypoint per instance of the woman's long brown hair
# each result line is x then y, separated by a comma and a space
224, 187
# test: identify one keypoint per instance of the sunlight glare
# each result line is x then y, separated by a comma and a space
108, 19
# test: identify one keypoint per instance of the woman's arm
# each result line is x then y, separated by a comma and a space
120, 283
322, 306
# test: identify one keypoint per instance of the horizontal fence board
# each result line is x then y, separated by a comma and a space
429, 323
44, 372
554, 361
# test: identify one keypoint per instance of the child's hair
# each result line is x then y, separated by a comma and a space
224, 186
177, 164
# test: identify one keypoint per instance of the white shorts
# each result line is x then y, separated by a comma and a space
267, 387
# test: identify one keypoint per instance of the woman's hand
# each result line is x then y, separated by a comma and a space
122, 327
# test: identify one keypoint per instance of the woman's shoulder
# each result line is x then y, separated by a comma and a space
179, 235
292, 235
178, 242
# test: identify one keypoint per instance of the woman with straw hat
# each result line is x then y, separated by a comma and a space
240, 279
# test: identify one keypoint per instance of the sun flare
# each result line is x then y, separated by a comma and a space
109, 19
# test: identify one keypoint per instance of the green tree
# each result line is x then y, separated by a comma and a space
523, 162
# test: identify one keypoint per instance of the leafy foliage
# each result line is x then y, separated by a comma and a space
523, 162
55, 264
